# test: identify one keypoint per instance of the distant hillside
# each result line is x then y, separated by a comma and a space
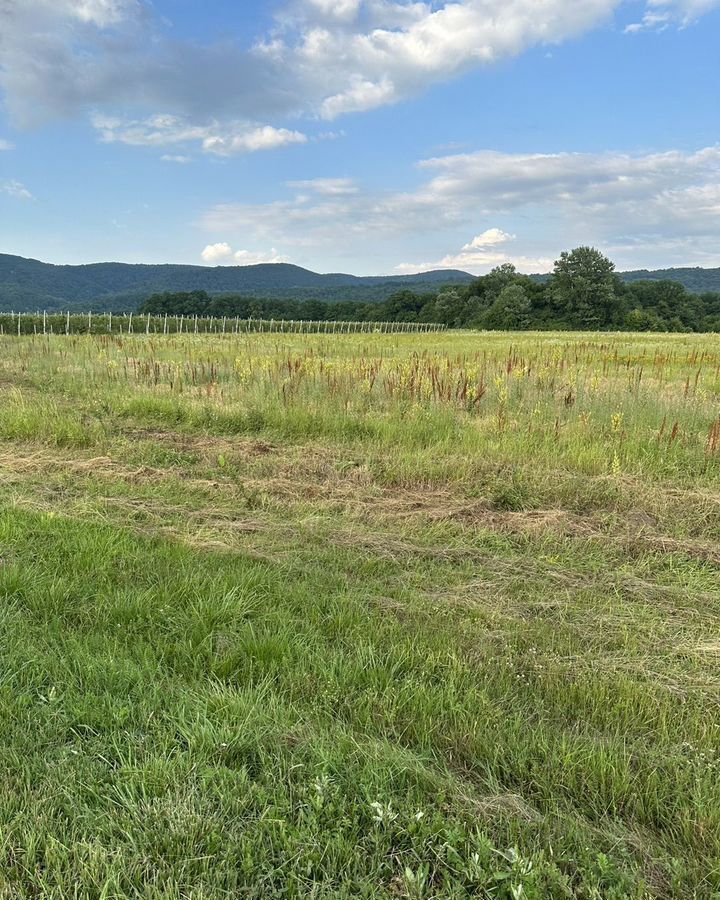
27, 284
696, 280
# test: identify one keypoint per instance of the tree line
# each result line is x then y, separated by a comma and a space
583, 293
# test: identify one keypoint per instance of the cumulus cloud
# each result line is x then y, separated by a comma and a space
341, 10
613, 199
265, 138
381, 62
69, 58
324, 58
360, 95
15, 189
480, 255
488, 238
98, 12
221, 140
622, 187
253, 258
215, 253
223, 254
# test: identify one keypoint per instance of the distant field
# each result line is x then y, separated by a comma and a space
360, 616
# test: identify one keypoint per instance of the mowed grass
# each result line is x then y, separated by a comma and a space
360, 616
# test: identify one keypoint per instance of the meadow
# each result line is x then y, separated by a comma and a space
360, 615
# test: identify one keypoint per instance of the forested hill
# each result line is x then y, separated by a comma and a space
696, 280
27, 284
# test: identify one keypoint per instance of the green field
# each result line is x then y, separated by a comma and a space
360, 616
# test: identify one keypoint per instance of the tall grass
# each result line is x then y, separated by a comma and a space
359, 615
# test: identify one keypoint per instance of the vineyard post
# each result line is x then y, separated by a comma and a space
67, 323
44, 322
90, 322
110, 321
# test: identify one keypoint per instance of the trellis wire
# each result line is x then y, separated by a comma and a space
24, 323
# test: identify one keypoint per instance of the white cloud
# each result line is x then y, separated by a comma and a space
332, 187
176, 158
215, 253
685, 11
252, 258
382, 62
556, 200
341, 10
488, 238
100, 12
642, 186
65, 58
223, 254
221, 140
156, 131
362, 94
6, 145
480, 255
265, 138
15, 189
661, 14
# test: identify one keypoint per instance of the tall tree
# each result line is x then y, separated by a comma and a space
585, 290
510, 311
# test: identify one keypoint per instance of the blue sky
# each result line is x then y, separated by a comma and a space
366, 136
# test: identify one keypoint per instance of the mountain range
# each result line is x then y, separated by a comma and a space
28, 284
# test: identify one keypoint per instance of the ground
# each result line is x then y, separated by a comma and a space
360, 616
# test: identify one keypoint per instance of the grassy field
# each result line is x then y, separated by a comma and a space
360, 616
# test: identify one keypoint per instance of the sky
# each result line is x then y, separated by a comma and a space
363, 136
